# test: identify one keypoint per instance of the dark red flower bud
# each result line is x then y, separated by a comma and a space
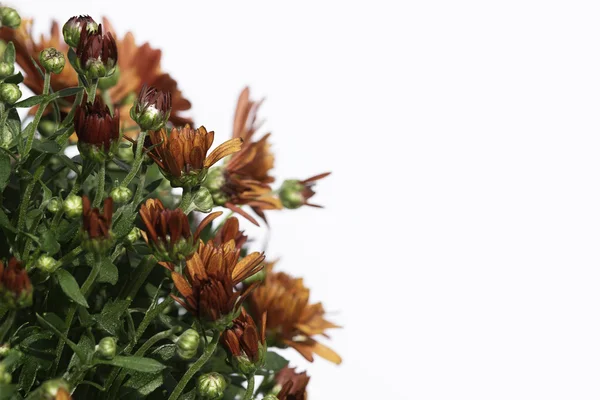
152, 108
97, 53
245, 346
97, 130
97, 236
15, 287
75, 25
291, 384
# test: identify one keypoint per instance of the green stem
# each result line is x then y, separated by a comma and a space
69, 118
87, 285
140, 275
38, 116
23, 208
186, 199
101, 183
210, 349
91, 91
69, 257
8, 322
137, 161
250, 389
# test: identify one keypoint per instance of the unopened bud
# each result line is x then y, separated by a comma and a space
187, 344
54, 205
291, 195
5, 377
121, 194
10, 93
50, 389
73, 206
211, 386
52, 60
4, 349
72, 29
107, 348
46, 263
151, 109
6, 69
10, 17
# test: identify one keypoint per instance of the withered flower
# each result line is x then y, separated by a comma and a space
245, 178
209, 286
133, 73
245, 345
151, 109
294, 193
15, 287
291, 384
97, 130
97, 236
183, 155
97, 53
168, 231
292, 321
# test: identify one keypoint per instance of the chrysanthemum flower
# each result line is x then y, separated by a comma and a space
208, 286
294, 193
15, 287
97, 234
292, 320
291, 385
245, 344
97, 130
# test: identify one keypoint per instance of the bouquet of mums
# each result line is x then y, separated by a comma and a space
113, 285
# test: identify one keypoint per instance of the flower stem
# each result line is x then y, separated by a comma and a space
26, 198
186, 199
38, 116
210, 349
250, 389
91, 91
141, 274
137, 161
101, 182
10, 319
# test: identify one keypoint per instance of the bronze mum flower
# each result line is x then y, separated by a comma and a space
151, 109
183, 155
15, 287
209, 286
97, 235
292, 321
294, 193
230, 231
245, 345
245, 178
291, 384
134, 74
97, 53
168, 231
97, 130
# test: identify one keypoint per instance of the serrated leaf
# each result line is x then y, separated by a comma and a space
141, 364
30, 101
275, 362
109, 273
4, 170
69, 286
49, 243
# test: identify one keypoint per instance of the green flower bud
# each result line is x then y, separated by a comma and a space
133, 236
211, 386
5, 377
291, 194
46, 263
52, 60
47, 126
72, 29
54, 205
10, 17
121, 194
73, 206
4, 349
49, 389
10, 93
187, 344
6, 137
6, 69
215, 179
151, 109
107, 348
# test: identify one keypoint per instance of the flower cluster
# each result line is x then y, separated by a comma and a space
111, 284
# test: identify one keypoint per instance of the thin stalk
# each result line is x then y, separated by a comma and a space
141, 274
69, 118
26, 198
8, 323
91, 91
210, 349
137, 161
250, 389
38, 116
186, 199
101, 182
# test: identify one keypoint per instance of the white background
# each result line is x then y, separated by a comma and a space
459, 246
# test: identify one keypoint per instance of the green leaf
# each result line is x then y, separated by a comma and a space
61, 335
46, 146
165, 352
69, 285
140, 385
110, 317
275, 362
109, 273
68, 92
67, 230
15, 79
7, 391
87, 347
30, 101
191, 395
4, 170
69, 163
5, 222
141, 364
152, 186
49, 243
124, 166
28, 373
125, 223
